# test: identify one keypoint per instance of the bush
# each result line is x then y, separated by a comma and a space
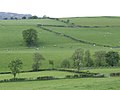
17, 79
114, 74
76, 76
45, 78
69, 76
99, 76
65, 63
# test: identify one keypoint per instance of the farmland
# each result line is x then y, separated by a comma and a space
97, 30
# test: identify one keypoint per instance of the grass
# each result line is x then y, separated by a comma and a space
67, 84
57, 48
95, 21
34, 75
107, 36
51, 46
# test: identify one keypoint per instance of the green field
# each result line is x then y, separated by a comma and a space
52, 46
108, 83
67, 84
57, 48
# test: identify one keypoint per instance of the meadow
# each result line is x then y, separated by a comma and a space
67, 84
57, 48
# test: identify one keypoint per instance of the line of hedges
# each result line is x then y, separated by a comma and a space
70, 37
85, 75
115, 74
72, 26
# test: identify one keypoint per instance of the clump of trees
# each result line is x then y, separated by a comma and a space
101, 58
34, 17
30, 36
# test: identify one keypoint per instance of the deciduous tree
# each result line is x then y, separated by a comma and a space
15, 66
112, 58
30, 37
78, 58
37, 61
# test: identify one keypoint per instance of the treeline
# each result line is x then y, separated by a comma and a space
25, 17
80, 59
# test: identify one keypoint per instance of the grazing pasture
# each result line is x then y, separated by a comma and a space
57, 47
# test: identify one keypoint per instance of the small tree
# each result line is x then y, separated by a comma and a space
112, 58
78, 58
65, 64
37, 61
30, 37
100, 59
87, 59
51, 63
15, 67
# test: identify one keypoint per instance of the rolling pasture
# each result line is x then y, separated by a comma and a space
51, 46
57, 48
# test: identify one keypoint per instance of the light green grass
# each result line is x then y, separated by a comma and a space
95, 21
103, 36
34, 75
51, 46
68, 84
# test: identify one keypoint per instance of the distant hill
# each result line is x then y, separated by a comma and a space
9, 15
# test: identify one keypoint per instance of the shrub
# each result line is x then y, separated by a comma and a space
99, 76
65, 63
45, 78
69, 76
114, 74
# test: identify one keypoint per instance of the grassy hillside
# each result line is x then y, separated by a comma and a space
52, 46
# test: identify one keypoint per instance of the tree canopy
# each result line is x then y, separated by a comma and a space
30, 37
15, 66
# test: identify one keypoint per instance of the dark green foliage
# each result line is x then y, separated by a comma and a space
100, 59
115, 74
65, 63
33, 17
87, 59
45, 78
37, 61
15, 66
112, 58
78, 58
99, 76
30, 37
24, 17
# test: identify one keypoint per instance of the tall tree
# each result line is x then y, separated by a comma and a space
37, 61
112, 58
15, 67
100, 59
30, 37
88, 62
78, 58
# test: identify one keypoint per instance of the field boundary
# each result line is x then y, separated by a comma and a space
72, 38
